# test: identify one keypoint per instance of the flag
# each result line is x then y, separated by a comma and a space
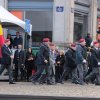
1, 36
1, 39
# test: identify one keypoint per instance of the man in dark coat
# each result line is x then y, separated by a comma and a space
6, 60
19, 61
17, 40
42, 60
70, 64
95, 63
81, 55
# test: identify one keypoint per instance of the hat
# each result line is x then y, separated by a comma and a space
46, 39
95, 42
7, 40
81, 40
73, 45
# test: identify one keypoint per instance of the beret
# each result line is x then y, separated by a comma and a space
46, 39
81, 40
7, 40
95, 42
73, 45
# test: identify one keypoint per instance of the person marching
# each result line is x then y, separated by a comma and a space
42, 61
95, 53
6, 60
52, 59
81, 53
70, 64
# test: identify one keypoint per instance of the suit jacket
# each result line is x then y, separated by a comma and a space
6, 53
43, 55
18, 41
19, 57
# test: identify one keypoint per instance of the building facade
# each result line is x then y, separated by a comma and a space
63, 21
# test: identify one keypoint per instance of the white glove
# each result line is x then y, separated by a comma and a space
84, 61
98, 63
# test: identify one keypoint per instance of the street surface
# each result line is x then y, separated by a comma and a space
67, 89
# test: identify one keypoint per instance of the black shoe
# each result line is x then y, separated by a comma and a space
86, 81
93, 82
97, 83
50, 83
27, 80
41, 83
81, 83
34, 82
76, 82
61, 82
12, 83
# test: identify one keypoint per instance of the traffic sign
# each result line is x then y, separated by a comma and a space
27, 25
59, 8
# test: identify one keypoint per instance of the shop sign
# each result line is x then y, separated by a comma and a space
59, 9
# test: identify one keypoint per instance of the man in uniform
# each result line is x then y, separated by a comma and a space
6, 60
42, 61
95, 59
70, 64
81, 53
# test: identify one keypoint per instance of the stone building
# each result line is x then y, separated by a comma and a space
64, 21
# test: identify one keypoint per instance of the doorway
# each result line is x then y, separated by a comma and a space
80, 26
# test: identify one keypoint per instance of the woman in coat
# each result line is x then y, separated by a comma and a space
60, 60
30, 58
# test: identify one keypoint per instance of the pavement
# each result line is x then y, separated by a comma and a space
65, 90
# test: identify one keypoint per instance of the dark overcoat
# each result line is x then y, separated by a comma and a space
6, 53
19, 57
43, 55
95, 57
70, 58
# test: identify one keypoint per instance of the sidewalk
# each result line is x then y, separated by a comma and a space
66, 90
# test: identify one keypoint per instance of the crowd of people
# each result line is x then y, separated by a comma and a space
80, 63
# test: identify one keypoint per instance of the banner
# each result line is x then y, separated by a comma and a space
1, 39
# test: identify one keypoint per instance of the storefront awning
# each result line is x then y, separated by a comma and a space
10, 21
